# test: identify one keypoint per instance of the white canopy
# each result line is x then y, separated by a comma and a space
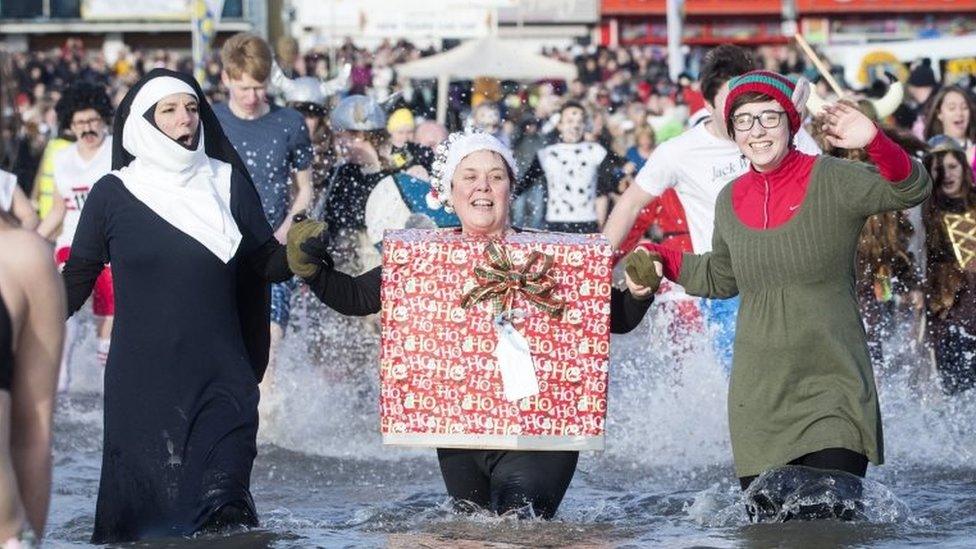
938, 49
488, 57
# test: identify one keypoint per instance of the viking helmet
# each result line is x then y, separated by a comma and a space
308, 89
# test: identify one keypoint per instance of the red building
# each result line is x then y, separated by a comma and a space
754, 22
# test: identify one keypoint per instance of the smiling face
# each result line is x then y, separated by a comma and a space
954, 115
764, 147
178, 117
480, 193
572, 125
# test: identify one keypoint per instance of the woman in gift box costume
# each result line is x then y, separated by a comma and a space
950, 222
802, 390
193, 256
475, 174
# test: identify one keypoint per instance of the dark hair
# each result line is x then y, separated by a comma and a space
572, 105
934, 163
943, 274
933, 126
720, 65
744, 99
81, 96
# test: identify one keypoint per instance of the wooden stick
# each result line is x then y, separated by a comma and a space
817, 62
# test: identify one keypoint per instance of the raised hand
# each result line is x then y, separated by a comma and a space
848, 128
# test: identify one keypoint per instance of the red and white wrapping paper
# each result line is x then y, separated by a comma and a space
440, 383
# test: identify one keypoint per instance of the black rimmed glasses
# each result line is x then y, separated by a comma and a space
767, 119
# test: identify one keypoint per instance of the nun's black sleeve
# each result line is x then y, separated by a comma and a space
79, 278
348, 295
271, 261
626, 311
89, 249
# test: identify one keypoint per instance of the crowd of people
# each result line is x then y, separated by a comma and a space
740, 185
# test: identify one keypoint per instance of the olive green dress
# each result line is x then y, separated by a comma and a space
801, 377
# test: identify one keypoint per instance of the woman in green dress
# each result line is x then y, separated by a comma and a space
802, 388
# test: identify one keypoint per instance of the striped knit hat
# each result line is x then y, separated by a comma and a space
776, 86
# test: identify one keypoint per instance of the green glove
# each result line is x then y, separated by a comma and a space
299, 261
639, 264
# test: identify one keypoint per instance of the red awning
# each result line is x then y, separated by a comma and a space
880, 7
692, 7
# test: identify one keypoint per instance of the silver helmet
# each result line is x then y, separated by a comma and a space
308, 89
358, 113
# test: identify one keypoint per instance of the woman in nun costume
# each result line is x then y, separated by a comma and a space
193, 255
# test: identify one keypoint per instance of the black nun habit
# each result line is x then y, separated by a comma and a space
192, 256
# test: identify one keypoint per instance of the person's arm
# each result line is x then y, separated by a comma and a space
309, 258
270, 260
895, 182
89, 251
302, 180
79, 276
602, 204
657, 176
300, 155
49, 225
627, 311
23, 210
706, 275
625, 213
346, 294
535, 174
606, 184
35, 381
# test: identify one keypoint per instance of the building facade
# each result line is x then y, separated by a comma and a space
762, 22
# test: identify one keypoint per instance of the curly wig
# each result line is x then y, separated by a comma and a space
80, 96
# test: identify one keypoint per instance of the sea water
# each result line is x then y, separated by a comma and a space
323, 479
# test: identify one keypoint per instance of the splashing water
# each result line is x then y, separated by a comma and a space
322, 477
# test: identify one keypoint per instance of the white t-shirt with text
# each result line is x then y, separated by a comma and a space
74, 177
697, 165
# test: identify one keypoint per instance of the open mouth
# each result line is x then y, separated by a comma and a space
761, 146
483, 204
186, 140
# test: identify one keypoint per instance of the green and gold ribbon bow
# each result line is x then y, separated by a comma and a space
501, 281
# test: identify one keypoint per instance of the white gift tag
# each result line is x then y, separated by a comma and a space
515, 361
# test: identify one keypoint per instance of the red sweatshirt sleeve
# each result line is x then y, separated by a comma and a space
892, 161
671, 259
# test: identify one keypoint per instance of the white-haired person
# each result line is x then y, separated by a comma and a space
476, 180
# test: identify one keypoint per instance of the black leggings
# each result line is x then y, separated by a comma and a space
840, 459
953, 356
500, 480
